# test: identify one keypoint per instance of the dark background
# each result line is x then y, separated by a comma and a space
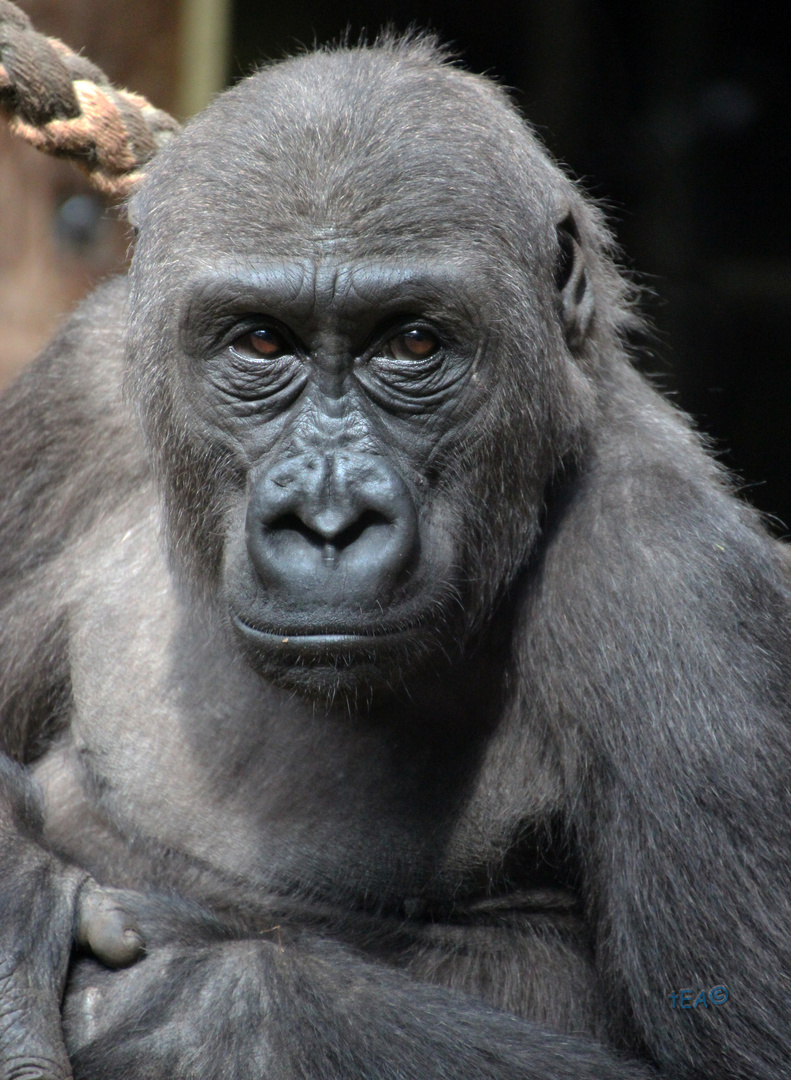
675, 114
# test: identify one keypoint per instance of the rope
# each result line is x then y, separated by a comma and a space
63, 104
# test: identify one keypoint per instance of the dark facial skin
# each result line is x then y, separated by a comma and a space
342, 384
407, 696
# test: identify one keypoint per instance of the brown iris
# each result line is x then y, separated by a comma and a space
267, 344
413, 345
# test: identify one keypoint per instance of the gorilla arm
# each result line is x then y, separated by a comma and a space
675, 718
300, 1006
48, 432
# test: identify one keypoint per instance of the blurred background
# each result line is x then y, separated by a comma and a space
676, 115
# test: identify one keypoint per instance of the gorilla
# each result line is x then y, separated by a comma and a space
392, 686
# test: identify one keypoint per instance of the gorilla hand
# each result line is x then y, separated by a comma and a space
45, 906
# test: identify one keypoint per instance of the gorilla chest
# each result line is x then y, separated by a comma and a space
174, 740
354, 835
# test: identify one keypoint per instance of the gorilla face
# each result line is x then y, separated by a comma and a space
339, 350
341, 382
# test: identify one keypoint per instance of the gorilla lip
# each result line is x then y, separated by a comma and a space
325, 641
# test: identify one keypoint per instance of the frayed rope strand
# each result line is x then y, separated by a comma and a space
64, 105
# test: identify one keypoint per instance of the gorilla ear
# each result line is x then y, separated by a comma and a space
571, 279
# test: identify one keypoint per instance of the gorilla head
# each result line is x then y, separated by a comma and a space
363, 318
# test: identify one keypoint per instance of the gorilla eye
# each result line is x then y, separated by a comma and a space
412, 345
263, 344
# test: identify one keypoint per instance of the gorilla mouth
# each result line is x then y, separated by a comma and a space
326, 661
321, 641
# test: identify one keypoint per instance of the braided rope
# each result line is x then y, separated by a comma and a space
63, 104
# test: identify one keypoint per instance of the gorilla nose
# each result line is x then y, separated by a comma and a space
334, 531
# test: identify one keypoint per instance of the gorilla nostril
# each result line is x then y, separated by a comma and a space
329, 536
369, 519
292, 523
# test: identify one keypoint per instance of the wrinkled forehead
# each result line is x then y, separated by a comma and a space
314, 162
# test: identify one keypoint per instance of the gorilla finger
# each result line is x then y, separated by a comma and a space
107, 928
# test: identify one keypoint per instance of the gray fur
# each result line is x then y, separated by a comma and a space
490, 844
